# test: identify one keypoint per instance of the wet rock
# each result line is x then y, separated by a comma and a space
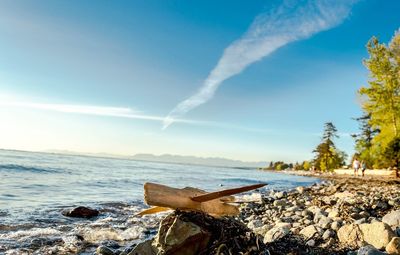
392, 218
275, 234
394, 246
180, 236
81, 212
369, 250
104, 250
377, 234
144, 248
380, 205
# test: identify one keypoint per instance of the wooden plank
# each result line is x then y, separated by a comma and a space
164, 196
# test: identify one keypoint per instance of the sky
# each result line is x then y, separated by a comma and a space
248, 80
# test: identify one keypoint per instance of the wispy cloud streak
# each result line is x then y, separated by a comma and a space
292, 21
122, 112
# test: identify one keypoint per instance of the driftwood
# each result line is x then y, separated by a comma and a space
214, 203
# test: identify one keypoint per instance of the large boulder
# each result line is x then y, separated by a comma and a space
392, 218
377, 234
181, 237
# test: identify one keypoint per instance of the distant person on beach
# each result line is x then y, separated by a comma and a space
356, 166
363, 167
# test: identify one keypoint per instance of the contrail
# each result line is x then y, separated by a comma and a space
292, 21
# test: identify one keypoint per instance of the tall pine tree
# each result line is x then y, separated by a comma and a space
327, 156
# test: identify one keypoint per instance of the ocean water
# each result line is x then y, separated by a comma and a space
36, 187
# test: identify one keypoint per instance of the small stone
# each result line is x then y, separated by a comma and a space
325, 222
335, 225
311, 242
281, 202
104, 250
328, 234
394, 246
310, 232
300, 189
275, 234
334, 213
280, 194
360, 221
369, 250
255, 224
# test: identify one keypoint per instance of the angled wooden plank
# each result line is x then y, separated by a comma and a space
152, 210
224, 193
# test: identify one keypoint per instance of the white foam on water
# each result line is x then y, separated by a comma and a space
97, 235
30, 233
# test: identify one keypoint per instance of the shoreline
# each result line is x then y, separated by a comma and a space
287, 221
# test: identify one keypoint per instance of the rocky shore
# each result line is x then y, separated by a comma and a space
341, 215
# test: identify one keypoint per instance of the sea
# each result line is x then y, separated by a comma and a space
36, 187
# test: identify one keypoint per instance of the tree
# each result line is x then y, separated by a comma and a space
306, 165
392, 152
327, 156
382, 96
363, 140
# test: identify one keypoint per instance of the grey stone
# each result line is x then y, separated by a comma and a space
311, 242
104, 250
255, 224
328, 234
324, 222
335, 225
310, 232
392, 218
369, 250
281, 202
275, 234
144, 248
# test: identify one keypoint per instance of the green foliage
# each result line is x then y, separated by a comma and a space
279, 165
306, 165
327, 157
382, 96
381, 102
392, 152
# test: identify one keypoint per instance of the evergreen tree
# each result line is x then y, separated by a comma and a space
392, 152
327, 157
364, 140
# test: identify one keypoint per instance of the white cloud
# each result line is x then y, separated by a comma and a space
121, 112
292, 21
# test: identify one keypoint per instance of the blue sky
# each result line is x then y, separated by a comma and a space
102, 77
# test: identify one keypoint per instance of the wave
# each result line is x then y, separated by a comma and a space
242, 181
21, 168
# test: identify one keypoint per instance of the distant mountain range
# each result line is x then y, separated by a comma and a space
167, 158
